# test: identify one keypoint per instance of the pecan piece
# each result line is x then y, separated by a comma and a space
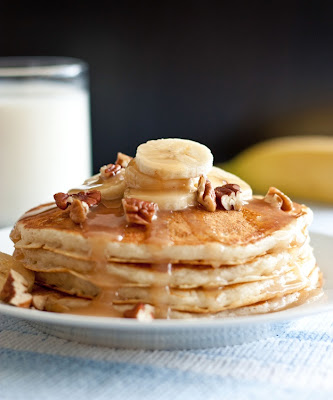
92, 198
78, 211
138, 211
15, 290
206, 194
229, 197
278, 199
141, 311
123, 159
63, 200
79, 203
109, 170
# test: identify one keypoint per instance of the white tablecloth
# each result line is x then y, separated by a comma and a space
297, 364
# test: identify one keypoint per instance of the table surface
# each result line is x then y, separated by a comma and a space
296, 364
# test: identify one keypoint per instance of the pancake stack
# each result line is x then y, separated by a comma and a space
167, 235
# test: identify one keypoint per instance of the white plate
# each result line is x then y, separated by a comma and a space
177, 334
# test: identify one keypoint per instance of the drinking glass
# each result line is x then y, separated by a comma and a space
45, 144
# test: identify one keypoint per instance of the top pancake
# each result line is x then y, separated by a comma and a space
194, 235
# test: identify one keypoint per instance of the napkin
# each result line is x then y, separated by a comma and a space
298, 364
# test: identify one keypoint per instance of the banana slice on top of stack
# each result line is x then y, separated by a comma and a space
166, 172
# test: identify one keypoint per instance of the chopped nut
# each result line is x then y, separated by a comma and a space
123, 159
278, 199
138, 211
92, 198
63, 200
78, 211
109, 170
141, 311
15, 290
206, 194
229, 197
79, 203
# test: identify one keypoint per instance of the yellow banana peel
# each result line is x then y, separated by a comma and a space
302, 167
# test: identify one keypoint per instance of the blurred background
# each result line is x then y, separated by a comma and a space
227, 74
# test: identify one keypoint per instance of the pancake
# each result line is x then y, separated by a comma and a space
310, 293
192, 235
56, 302
174, 275
202, 251
214, 300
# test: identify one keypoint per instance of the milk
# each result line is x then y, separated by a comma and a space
44, 143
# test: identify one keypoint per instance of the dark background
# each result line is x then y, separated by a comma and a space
224, 73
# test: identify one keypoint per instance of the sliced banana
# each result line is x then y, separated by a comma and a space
169, 200
111, 188
137, 180
173, 159
220, 177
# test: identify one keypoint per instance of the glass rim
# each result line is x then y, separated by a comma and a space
41, 66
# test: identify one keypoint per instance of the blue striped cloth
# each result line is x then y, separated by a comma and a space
297, 364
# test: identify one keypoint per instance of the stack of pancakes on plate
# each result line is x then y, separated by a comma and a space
248, 255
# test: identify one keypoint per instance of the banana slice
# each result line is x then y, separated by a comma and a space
111, 188
173, 159
137, 180
220, 177
169, 200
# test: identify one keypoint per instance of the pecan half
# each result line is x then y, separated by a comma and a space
15, 290
92, 198
206, 194
278, 199
141, 311
63, 200
138, 211
109, 170
229, 197
123, 159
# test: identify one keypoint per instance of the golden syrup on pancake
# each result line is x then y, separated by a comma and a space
162, 289
268, 218
105, 223
157, 233
108, 220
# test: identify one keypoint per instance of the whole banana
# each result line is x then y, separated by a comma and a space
302, 167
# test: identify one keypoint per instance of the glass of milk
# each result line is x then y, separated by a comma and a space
45, 144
